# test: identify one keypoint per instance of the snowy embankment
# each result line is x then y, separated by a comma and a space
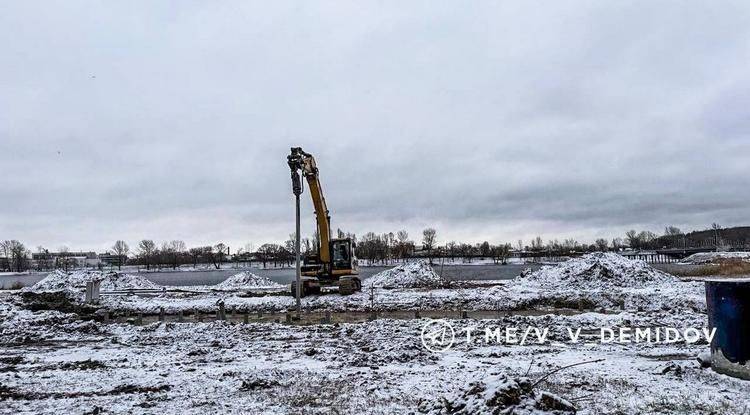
608, 281
713, 257
76, 281
595, 281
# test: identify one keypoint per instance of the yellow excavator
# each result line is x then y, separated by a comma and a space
334, 263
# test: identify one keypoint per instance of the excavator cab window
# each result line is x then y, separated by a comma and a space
342, 257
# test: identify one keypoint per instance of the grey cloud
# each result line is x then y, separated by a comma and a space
487, 120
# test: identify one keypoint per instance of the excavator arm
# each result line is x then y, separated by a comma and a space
300, 161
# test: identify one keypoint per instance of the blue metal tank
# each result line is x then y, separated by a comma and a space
728, 302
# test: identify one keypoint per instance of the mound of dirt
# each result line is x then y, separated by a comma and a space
76, 281
499, 394
714, 257
413, 275
246, 280
598, 270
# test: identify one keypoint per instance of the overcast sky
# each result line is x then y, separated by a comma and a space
487, 120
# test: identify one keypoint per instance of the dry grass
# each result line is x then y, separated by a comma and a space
15, 286
724, 267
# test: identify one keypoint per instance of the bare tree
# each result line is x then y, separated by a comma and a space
672, 231
290, 244
176, 249
602, 244
500, 253
316, 241
16, 254
633, 240
616, 244
220, 253
451, 249
402, 236
484, 249
717, 239
537, 244
570, 244
63, 251
121, 249
147, 251
249, 247
44, 261
268, 252
5, 253
647, 239
195, 255
403, 245
429, 238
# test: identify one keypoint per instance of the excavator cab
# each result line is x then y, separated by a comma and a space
343, 258
343, 264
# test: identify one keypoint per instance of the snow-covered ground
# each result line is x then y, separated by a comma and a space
54, 362
711, 257
66, 366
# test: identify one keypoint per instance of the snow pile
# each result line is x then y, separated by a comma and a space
498, 394
712, 257
246, 280
413, 275
605, 280
598, 270
64, 281
114, 281
77, 280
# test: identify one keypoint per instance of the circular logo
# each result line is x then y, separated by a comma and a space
438, 336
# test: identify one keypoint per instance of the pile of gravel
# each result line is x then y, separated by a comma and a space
413, 275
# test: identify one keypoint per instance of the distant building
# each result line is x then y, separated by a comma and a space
74, 259
112, 259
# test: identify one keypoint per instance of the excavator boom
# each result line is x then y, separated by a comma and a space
304, 162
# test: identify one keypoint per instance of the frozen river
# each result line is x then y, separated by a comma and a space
286, 275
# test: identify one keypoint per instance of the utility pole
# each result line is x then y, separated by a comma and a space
297, 190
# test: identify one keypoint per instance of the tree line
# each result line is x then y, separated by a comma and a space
371, 248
